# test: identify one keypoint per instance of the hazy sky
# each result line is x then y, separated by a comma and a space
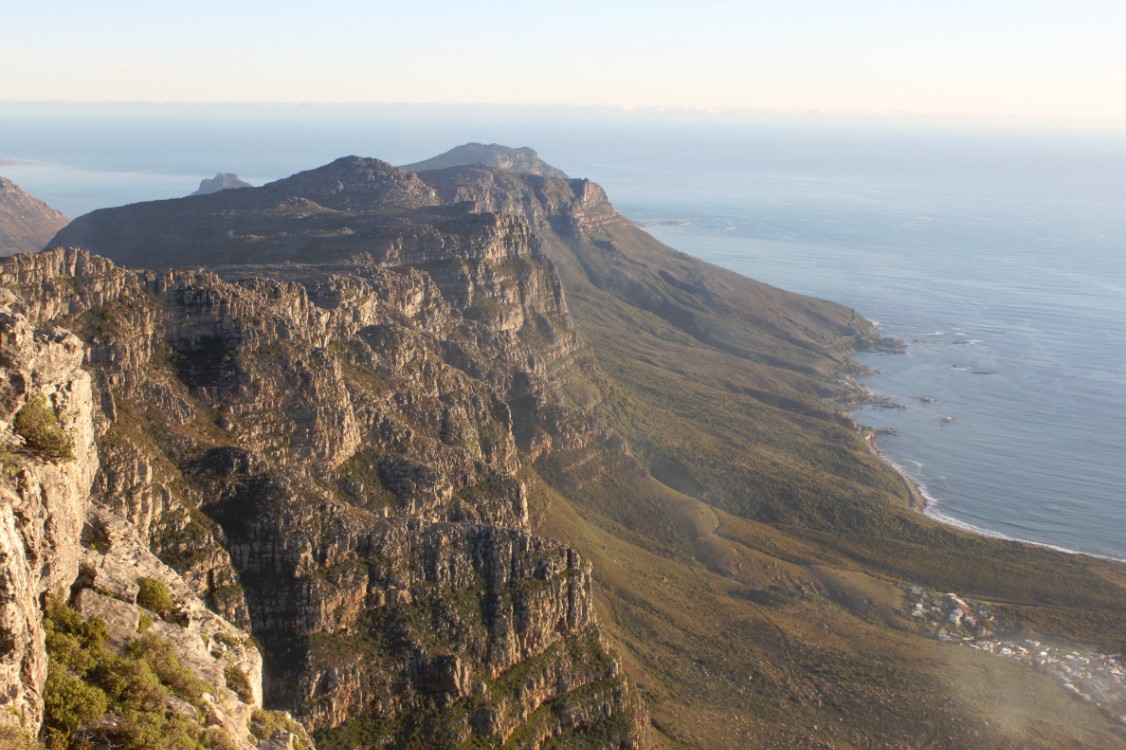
1038, 58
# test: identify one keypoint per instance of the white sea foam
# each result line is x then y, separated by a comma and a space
933, 510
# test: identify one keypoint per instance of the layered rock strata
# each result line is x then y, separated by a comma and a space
329, 456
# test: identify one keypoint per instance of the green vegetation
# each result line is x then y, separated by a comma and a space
96, 697
750, 552
38, 425
265, 724
14, 738
237, 681
153, 594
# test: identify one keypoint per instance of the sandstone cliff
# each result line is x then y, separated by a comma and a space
330, 455
58, 538
43, 499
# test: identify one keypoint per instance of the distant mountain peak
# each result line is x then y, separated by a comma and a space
221, 181
357, 183
330, 212
524, 160
360, 168
26, 223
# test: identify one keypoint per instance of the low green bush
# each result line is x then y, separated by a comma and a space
153, 594
14, 738
87, 681
37, 424
237, 681
264, 724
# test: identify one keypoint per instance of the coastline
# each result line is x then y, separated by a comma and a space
922, 501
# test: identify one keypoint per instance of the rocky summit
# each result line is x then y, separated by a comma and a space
459, 457
221, 181
520, 160
26, 223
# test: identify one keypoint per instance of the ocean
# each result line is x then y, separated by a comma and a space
997, 253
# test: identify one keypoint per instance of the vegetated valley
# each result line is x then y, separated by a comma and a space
453, 455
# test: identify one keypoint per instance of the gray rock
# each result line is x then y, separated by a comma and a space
221, 181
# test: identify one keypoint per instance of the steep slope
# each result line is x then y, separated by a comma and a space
753, 559
80, 649
26, 223
752, 552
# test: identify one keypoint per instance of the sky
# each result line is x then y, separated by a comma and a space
1046, 59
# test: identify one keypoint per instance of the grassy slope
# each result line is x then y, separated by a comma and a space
751, 552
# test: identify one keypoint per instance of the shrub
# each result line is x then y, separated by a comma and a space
72, 641
264, 724
160, 655
216, 738
131, 683
86, 681
238, 682
37, 424
154, 594
69, 702
15, 738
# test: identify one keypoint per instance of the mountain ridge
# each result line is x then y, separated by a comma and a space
402, 417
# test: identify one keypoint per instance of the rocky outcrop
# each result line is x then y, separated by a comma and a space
221, 181
561, 204
26, 223
595, 248
114, 563
55, 541
43, 498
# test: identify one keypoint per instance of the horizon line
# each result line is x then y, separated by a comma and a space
622, 109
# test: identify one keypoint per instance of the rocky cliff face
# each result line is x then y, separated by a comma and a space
43, 500
329, 452
26, 223
58, 536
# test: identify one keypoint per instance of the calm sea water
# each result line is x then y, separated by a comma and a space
999, 256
